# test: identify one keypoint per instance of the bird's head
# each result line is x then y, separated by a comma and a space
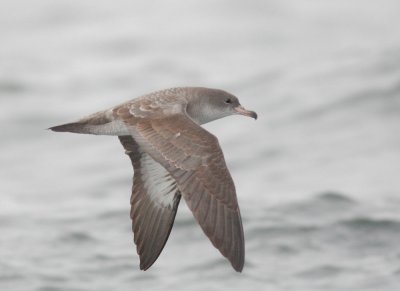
210, 104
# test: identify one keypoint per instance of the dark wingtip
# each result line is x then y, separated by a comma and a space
238, 266
238, 269
144, 266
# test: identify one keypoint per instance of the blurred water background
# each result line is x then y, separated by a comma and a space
317, 174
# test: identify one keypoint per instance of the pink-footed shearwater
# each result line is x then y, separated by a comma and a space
172, 155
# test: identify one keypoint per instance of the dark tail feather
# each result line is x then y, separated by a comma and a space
76, 127
98, 123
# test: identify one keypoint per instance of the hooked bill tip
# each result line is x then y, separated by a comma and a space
241, 110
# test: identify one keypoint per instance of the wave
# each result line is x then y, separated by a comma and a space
371, 224
76, 237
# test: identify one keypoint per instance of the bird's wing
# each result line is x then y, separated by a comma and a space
154, 202
195, 160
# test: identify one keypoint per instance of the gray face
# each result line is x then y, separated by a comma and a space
225, 102
228, 104
211, 104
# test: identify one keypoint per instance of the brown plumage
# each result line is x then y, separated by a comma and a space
172, 156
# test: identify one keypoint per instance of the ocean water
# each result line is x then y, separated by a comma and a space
317, 175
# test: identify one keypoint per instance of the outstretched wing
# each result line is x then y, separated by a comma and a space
194, 159
154, 202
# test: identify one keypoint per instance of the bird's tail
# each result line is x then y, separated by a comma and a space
76, 127
98, 123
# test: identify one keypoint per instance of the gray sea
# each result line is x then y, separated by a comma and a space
317, 175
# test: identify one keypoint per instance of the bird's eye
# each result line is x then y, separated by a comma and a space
228, 101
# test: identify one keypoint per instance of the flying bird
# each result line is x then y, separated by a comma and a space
173, 156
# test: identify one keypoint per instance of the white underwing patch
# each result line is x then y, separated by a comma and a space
160, 186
